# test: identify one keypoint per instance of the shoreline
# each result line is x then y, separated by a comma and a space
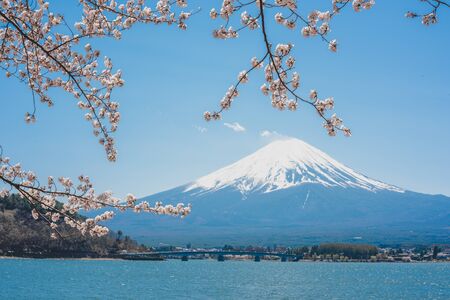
209, 259
61, 258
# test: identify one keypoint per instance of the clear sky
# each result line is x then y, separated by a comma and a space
390, 80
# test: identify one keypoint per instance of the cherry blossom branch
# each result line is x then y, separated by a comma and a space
44, 200
41, 58
282, 82
40, 49
233, 90
331, 124
123, 16
430, 17
41, 42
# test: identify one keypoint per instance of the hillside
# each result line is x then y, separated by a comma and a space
23, 236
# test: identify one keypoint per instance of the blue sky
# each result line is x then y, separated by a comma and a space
390, 80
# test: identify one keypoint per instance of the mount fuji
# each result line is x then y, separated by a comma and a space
290, 192
285, 164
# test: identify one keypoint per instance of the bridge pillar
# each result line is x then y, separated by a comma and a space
220, 257
184, 258
257, 258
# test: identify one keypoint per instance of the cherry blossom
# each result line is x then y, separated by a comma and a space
79, 195
282, 83
429, 17
41, 50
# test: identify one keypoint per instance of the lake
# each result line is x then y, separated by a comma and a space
208, 279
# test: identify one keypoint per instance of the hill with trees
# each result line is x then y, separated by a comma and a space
21, 235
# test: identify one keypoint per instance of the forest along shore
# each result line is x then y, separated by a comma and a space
23, 236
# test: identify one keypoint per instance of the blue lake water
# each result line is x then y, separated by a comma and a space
202, 279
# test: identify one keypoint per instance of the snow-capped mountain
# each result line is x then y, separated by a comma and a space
284, 164
290, 192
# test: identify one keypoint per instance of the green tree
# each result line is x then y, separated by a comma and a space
436, 250
119, 235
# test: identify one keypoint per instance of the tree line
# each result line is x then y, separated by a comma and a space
352, 251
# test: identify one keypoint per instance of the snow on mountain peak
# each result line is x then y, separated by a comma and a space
283, 164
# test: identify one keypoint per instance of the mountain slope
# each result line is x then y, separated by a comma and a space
291, 192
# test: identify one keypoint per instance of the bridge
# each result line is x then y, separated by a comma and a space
220, 254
